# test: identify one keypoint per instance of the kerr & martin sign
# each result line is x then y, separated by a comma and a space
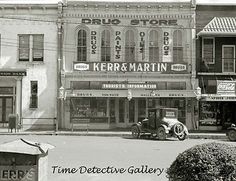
161, 67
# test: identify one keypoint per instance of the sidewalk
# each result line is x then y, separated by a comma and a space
194, 135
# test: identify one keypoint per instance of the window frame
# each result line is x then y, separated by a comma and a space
213, 50
178, 46
155, 47
31, 49
107, 47
82, 47
129, 47
33, 95
231, 46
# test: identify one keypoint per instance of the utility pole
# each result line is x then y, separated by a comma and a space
60, 90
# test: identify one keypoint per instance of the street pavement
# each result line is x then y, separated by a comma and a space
109, 158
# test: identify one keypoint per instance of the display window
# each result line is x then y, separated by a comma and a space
94, 109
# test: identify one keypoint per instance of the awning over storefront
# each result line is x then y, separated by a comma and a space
133, 93
220, 26
12, 72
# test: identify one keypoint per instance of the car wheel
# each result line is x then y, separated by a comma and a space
135, 132
232, 135
161, 133
178, 129
181, 137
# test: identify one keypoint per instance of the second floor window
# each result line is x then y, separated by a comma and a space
105, 46
82, 46
129, 46
153, 46
31, 47
177, 46
208, 50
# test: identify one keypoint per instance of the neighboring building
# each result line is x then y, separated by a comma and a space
215, 46
28, 64
121, 58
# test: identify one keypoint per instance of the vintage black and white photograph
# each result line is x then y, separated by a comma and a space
111, 90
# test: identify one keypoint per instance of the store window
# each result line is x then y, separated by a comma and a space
153, 46
177, 46
31, 45
82, 45
95, 109
105, 46
34, 94
176, 86
228, 56
208, 50
129, 46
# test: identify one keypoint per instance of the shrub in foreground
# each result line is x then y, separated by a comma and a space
208, 162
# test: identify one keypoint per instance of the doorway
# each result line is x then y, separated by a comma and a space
6, 108
127, 111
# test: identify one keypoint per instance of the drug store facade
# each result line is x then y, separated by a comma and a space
121, 58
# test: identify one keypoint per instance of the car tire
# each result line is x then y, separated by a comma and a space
181, 137
135, 132
161, 133
178, 129
232, 135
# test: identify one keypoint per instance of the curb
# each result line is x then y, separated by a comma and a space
111, 134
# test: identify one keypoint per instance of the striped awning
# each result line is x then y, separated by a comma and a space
220, 26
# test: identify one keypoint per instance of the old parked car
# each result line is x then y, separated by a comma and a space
161, 122
231, 132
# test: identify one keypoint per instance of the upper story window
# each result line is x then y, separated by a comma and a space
153, 46
129, 46
208, 50
31, 47
106, 46
177, 46
82, 45
228, 56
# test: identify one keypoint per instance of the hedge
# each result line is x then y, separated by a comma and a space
206, 162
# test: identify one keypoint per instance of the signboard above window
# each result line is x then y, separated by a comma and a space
160, 67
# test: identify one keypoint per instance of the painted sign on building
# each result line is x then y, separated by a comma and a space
18, 173
225, 87
143, 22
160, 67
129, 86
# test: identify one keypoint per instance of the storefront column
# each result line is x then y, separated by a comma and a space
18, 98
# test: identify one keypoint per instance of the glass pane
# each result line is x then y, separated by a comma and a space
121, 110
38, 47
9, 107
178, 54
177, 41
24, 47
228, 59
82, 46
153, 54
1, 110
208, 50
131, 110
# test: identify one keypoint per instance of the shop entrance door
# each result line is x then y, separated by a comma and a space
6, 108
126, 112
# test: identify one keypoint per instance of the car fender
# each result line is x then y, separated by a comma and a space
165, 127
138, 124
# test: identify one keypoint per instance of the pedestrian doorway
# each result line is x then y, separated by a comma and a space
131, 111
6, 108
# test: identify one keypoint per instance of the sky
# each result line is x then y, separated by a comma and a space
55, 1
